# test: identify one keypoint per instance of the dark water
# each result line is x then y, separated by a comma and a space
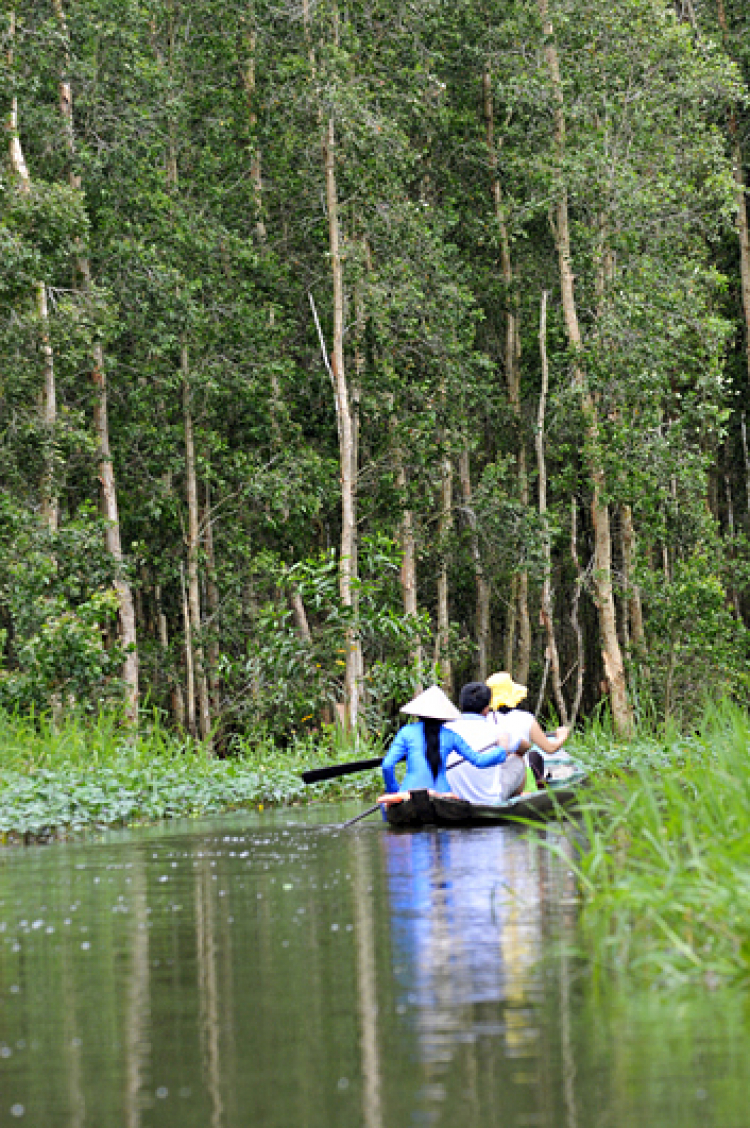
269, 970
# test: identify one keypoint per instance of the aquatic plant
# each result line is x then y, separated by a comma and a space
94, 772
664, 858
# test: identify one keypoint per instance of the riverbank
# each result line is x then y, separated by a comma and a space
661, 853
663, 864
57, 781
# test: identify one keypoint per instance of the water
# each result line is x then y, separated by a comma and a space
270, 970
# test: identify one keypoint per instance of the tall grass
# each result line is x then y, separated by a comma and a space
664, 853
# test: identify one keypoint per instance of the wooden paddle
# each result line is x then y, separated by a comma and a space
317, 775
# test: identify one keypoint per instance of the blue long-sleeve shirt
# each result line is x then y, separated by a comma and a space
409, 744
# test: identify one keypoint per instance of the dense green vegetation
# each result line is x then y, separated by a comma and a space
664, 855
75, 776
351, 343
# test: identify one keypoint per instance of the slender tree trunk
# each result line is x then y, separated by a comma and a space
48, 398
193, 547
409, 558
256, 176
614, 667
127, 630
189, 669
348, 559
176, 694
483, 591
49, 412
743, 230
632, 591
574, 620
513, 383
746, 457
300, 615
442, 640
212, 603
730, 524
546, 608
510, 625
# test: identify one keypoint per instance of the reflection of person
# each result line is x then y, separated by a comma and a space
522, 730
483, 785
426, 745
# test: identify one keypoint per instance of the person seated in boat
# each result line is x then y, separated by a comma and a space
525, 731
426, 745
483, 785
494, 705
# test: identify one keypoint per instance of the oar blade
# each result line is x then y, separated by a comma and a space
317, 775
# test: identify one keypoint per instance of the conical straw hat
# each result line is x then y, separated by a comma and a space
505, 691
432, 704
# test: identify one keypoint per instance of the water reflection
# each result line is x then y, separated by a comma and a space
277, 972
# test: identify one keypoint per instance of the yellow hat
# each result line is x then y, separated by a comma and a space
505, 691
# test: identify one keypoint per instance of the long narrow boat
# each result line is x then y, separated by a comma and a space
560, 792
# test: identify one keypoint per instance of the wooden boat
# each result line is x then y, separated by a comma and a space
560, 792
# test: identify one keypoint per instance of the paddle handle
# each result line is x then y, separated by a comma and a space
356, 819
317, 775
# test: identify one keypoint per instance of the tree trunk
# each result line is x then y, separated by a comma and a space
513, 383
177, 698
256, 177
442, 640
510, 625
49, 412
746, 457
48, 399
212, 603
193, 545
612, 660
632, 591
127, 631
483, 591
409, 559
189, 670
546, 608
574, 620
348, 561
743, 231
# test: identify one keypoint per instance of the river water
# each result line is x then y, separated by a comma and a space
271, 970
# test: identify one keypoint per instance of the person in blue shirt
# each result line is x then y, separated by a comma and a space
426, 745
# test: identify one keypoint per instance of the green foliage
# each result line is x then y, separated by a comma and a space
58, 778
290, 684
697, 649
56, 589
196, 136
663, 856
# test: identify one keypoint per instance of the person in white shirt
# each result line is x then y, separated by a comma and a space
478, 729
484, 709
524, 729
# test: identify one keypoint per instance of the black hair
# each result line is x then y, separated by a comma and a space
474, 698
432, 744
504, 709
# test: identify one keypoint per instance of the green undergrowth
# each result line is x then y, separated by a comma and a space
57, 780
663, 860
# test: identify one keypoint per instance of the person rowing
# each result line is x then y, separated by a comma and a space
426, 744
491, 707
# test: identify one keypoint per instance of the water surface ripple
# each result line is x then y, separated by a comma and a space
272, 970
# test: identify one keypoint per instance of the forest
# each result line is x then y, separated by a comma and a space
347, 345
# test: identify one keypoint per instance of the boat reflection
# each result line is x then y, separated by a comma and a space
467, 912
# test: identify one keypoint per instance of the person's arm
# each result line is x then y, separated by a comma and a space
548, 744
397, 752
495, 755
